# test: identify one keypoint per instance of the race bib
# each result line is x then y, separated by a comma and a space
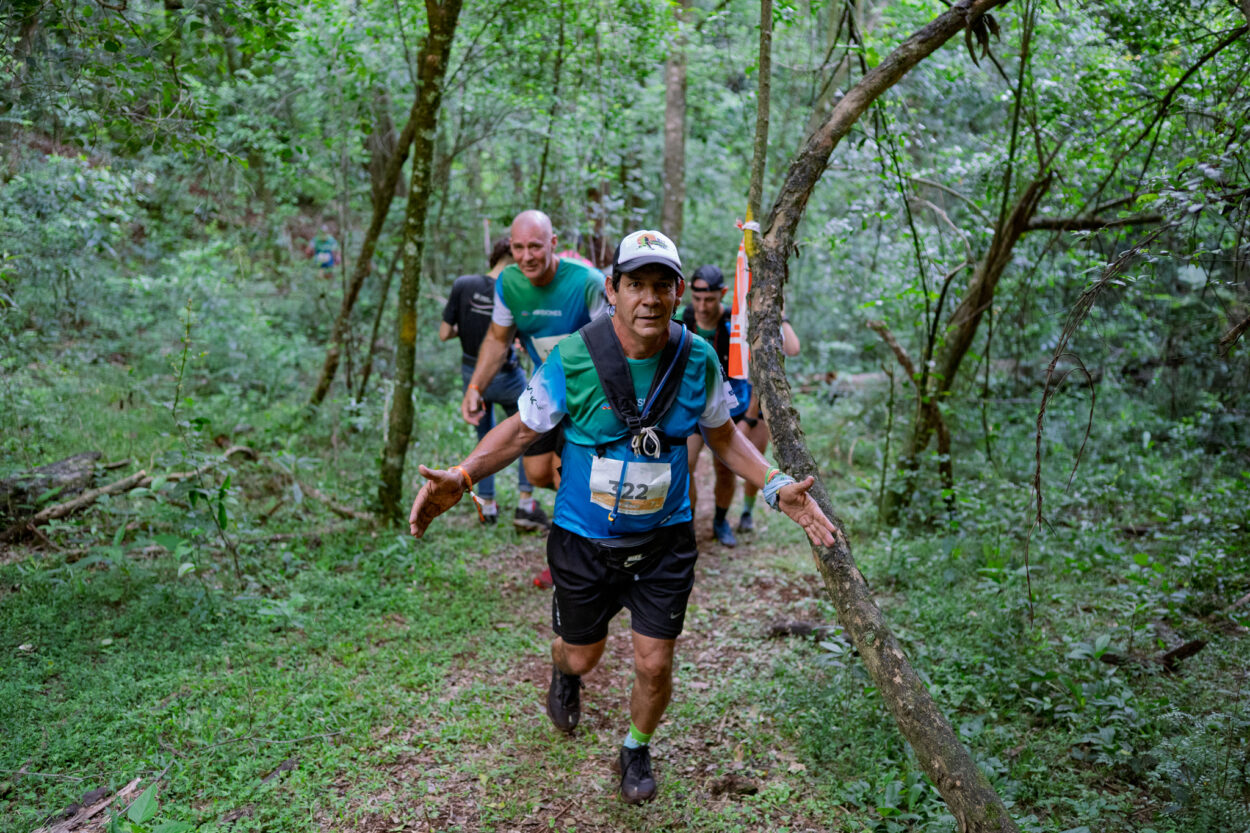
325, 258
543, 345
643, 491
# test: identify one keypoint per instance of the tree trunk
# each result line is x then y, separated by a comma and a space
947, 763
551, 116
383, 294
960, 333
365, 257
432, 62
382, 145
631, 201
671, 211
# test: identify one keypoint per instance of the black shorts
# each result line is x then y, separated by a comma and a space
553, 440
742, 417
589, 592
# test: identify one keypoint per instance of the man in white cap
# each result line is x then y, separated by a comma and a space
628, 390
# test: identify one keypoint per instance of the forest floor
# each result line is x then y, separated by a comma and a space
288, 670
528, 776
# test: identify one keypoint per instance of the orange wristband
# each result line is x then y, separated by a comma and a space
465, 475
477, 501
476, 388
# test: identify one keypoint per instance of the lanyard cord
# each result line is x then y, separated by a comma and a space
668, 371
620, 486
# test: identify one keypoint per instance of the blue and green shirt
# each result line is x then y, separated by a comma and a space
543, 315
606, 490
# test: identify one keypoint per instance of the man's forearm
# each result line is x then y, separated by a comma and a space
499, 448
490, 358
736, 452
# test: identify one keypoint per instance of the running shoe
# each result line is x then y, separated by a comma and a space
723, 533
746, 523
564, 700
532, 521
637, 782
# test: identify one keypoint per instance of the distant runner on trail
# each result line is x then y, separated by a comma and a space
467, 315
541, 298
707, 316
628, 390
324, 251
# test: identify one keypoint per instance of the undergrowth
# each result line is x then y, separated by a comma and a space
276, 697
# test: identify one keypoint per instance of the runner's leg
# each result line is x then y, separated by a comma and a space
653, 681
576, 659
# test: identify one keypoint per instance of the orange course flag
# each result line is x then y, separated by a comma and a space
739, 347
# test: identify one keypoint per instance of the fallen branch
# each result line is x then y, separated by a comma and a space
141, 479
1172, 658
84, 814
89, 497
138, 480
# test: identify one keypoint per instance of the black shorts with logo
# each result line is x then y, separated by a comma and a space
652, 579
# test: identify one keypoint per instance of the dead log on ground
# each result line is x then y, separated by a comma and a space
20, 494
82, 817
141, 479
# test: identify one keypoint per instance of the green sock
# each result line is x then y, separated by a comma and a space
635, 738
748, 504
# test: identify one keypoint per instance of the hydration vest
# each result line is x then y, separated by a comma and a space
618, 383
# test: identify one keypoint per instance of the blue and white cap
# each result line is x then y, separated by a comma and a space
640, 248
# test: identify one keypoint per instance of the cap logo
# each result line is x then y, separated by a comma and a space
649, 241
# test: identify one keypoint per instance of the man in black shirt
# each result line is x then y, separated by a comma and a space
467, 315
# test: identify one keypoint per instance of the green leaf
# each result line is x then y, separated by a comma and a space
172, 827
144, 807
222, 517
185, 567
48, 495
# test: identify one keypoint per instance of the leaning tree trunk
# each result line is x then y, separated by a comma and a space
383, 193
959, 334
671, 209
432, 61
967, 792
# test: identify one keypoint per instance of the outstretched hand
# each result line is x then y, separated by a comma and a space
442, 490
799, 506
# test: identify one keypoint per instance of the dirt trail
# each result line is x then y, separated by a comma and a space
524, 775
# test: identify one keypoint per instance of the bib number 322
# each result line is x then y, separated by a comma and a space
643, 490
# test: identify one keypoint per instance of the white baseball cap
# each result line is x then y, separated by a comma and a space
639, 248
